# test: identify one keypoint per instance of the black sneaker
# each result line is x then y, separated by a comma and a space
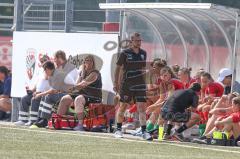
202, 137
42, 123
7, 117
2, 115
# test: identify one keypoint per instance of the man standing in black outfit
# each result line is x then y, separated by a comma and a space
131, 86
179, 109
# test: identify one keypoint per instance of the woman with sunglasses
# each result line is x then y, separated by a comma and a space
88, 90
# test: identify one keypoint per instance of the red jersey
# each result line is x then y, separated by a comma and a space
214, 88
177, 84
188, 84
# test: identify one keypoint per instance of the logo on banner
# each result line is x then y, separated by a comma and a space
78, 60
30, 62
5, 55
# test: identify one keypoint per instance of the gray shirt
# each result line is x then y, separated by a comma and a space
56, 81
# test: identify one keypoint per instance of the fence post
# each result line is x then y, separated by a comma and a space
15, 109
18, 22
18, 15
68, 15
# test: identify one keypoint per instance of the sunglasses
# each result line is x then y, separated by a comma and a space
87, 60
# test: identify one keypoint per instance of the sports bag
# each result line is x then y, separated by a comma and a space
99, 117
62, 122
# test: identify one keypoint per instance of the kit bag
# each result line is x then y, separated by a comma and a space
59, 122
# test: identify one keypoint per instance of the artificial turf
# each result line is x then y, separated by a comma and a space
24, 143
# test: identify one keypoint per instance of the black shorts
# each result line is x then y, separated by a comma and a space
88, 99
129, 92
175, 116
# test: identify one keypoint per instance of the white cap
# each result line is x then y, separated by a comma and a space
223, 73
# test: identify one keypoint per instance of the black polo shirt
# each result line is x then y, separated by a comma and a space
181, 100
133, 63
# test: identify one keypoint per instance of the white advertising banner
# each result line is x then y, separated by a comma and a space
29, 47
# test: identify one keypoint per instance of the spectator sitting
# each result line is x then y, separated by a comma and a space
27, 117
225, 78
60, 80
89, 90
5, 98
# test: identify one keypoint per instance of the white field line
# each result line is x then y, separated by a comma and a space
95, 135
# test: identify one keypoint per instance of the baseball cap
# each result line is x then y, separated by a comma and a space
223, 73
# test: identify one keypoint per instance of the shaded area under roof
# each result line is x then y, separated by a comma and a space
197, 35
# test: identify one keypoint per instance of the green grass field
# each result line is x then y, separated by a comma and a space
24, 143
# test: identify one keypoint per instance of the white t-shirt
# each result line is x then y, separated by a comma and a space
39, 82
42, 85
72, 77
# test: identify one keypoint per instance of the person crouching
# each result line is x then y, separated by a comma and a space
179, 108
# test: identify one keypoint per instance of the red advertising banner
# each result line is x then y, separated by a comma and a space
6, 52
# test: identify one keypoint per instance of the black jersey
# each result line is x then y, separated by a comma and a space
181, 100
133, 63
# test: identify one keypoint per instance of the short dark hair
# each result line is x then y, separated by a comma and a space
49, 65
4, 70
60, 54
195, 87
135, 34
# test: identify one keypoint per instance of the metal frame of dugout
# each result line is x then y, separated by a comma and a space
196, 35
